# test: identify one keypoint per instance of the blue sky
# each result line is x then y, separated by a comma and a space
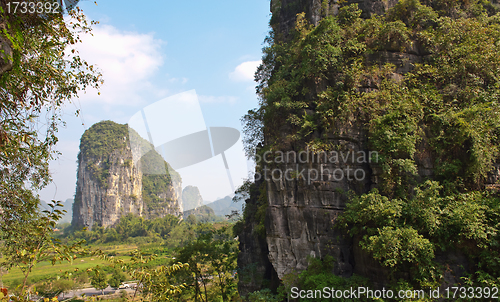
151, 51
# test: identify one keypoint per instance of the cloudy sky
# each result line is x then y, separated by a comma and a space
148, 51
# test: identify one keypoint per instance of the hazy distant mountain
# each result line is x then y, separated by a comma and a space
225, 205
203, 213
68, 206
214, 211
191, 198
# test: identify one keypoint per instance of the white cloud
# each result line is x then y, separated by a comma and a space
178, 80
127, 61
245, 71
217, 99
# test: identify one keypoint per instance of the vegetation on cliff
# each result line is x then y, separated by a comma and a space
447, 102
97, 144
443, 108
39, 71
102, 138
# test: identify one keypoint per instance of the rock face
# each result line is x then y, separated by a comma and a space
284, 12
191, 198
5, 53
255, 268
110, 185
301, 214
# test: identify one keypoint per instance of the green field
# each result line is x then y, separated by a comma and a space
45, 270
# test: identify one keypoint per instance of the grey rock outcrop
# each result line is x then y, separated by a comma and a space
5, 54
255, 270
284, 12
110, 185
225, 206
202, 214
303, 210
191, 198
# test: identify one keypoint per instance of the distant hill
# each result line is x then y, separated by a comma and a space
203, 213
191, 198
68, 206
215, 211
225, 206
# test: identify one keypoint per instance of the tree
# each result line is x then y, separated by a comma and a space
39, 72
116, 278
63, 285
212, 262
98, 279
157, 283
27, 244
45, 73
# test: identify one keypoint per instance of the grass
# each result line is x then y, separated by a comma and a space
45, 270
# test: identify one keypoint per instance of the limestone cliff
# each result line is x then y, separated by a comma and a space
191, 198
293, 218
110, 185
300, 215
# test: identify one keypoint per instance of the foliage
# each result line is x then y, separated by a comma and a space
264, 295
102, 138
252, 130
26, 245
159, 178
43, 76
404, 234
157, 283
43, 72
96, 145
449, 100
130, 226
319, 275
98, 279
154, 190
212, 264
54, 288
117, 277
209, 249
203, 214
